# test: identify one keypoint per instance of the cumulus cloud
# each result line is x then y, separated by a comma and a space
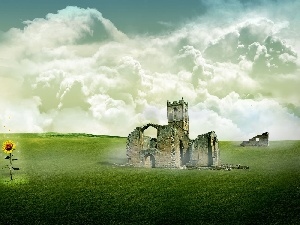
253, 40
75, 71
245, 117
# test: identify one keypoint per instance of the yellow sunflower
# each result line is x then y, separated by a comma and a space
8, 146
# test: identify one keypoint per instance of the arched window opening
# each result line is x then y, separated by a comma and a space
175, 113
150, 138
150, 132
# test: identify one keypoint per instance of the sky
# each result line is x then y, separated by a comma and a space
106, 67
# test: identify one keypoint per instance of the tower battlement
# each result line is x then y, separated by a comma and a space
176, 103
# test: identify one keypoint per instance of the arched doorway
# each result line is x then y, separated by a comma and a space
149, 161
149, 137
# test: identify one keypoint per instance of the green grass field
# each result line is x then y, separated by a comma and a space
72, 179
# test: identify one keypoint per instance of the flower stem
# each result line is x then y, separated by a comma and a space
10, 166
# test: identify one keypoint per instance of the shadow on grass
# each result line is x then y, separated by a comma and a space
110, 161
105, 163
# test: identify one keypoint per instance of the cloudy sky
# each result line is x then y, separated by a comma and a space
105, 67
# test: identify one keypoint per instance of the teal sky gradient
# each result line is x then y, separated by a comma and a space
130, 16
141, 16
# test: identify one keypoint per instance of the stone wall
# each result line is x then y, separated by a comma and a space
134, 146
168, 145
258, 140
205, 150
164, 150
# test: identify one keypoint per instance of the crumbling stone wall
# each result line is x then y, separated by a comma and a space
172, 147
168, 144
163, 150
205, 150
258, 140
134, 146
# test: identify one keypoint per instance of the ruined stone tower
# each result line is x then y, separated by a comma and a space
172, 147
178, 116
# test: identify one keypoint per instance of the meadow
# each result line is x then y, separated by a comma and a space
74, 179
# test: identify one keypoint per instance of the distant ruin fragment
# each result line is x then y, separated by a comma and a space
258, 140
172, 148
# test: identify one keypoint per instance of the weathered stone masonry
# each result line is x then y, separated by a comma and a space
172, 147
258, 140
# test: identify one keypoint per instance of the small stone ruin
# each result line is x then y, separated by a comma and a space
172, 147
258, 140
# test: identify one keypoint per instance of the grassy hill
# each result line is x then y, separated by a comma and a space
72, 179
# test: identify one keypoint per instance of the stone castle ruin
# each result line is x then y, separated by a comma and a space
172, 148
258, 140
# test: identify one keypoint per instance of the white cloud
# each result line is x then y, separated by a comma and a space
234, 118
231, 75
